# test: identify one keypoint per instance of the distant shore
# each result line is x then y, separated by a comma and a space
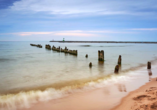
139, 42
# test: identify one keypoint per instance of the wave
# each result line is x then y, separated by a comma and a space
26, 99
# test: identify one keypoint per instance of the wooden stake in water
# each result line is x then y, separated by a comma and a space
149, 65
90, 64
101, 55
116, 69
119, 60
86, 55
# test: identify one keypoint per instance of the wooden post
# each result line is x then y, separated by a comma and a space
47, 46
86, 55
119, 60
58, 49
101, 55
149, 65
75, 52
90, 64
116, 69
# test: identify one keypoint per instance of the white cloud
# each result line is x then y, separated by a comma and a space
92, 7
74, 33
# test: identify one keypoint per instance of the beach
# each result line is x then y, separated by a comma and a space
142, 98
78, 55
117, 96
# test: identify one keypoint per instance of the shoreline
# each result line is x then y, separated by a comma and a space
143, 97
80, 101
102, 96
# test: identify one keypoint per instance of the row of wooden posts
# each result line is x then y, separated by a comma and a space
100, 55
37, 45
66, 50
117, 67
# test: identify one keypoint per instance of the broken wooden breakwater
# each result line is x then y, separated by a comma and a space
74, 52
47, 46
139, 42
37, 45
101, 55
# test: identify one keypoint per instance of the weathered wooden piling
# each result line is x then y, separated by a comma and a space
116, 69
37, 45
101, 55
90, 64
40, 46
74, 52
47, 46
119, 60
62, 50
58, 49
53, 47
66, 50
33, 44
149, 65
86, 56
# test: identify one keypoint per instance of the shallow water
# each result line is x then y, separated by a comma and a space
24, 67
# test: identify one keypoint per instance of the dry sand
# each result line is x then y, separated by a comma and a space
144, 98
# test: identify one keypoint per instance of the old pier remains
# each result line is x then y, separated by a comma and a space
149, 65
37, 45
47, 46
101, 55
116, 70
119, 60
73, 52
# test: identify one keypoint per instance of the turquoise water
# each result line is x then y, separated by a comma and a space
24, 66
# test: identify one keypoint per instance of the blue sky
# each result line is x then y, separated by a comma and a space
101, 20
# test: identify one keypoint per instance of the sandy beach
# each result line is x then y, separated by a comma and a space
143, 98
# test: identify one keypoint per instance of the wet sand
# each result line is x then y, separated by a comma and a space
144, 98
98, 99
101, 99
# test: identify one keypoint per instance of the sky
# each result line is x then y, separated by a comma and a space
86, 20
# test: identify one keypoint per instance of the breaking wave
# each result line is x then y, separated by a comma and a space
26, 99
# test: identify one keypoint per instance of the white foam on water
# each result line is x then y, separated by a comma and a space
26, 99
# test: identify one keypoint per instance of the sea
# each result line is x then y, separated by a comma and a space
29, 74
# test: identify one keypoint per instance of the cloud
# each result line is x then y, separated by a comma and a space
92, 7
31, 33
144, 29
56, 33
75, 33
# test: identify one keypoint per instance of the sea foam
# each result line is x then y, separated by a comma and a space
26, 99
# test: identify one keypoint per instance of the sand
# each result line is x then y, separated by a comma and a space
144, 98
